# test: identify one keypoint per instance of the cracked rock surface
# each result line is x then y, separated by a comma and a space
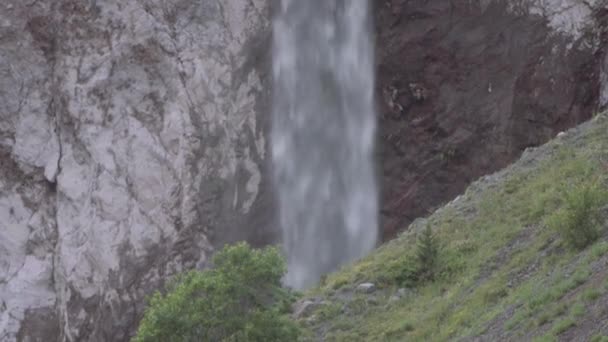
465, 86
130, 143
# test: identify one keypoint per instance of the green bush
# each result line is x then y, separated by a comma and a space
578, 221
240, 299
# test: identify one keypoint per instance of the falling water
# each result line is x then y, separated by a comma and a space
323, 134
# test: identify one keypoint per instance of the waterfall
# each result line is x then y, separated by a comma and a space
323, 127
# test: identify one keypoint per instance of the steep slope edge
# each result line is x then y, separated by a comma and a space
504, 274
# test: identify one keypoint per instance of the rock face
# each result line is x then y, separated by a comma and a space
465, 86
132, 133
131, 142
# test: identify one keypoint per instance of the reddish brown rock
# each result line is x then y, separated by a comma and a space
464, 87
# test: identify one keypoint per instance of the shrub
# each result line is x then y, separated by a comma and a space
427, 254
562, 326
407, 274
240, 299
579, 220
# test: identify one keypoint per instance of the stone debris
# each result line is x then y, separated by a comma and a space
366, 288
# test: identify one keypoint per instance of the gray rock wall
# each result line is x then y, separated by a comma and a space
130, 142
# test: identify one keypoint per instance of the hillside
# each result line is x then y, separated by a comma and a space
505, 273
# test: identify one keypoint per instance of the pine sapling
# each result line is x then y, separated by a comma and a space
427, 253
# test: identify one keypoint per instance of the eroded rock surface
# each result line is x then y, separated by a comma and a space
131, 142
465, 86
132, 133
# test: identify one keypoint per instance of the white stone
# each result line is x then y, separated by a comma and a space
366, 288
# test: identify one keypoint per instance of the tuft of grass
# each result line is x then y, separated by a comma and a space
329, 311
403, 328
591, 294
494, 294
578, 310
598, 250
551, 313
599, 338
543, 297
517, 318
543, 319
562, 326
544, 338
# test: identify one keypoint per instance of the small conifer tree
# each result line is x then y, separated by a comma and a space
427, 254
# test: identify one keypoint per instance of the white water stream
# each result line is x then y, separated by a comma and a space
323, 134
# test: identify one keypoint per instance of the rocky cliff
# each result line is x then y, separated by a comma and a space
132, 133
465, 86
130, 140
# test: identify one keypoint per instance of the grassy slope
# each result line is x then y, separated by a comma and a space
505, 274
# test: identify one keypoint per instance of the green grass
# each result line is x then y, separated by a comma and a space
563, 325
544, 338
578, 310
500, 258
550, 313
598, 250
579, 220
591, 294
599, 338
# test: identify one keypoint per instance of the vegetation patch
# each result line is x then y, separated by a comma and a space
240, 299
563, 325
514, 258
510, 253
579, 220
